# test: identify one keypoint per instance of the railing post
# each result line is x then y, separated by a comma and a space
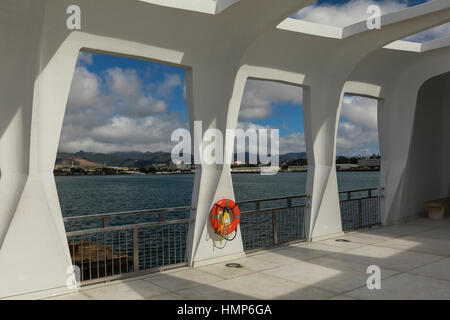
360, 212
257, 206
274, 226
135, 250
289, 202
106, 222
370, 193
349, 195
160, 217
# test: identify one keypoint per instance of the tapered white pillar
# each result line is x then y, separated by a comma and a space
394, 148
322, 215
18, 65
214, 95
34, 255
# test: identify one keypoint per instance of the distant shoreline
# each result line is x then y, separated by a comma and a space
193, 172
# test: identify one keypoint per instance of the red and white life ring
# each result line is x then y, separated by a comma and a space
225, 217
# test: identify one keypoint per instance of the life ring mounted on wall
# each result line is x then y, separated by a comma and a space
225, 217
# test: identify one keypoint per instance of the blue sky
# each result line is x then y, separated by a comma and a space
408, 3
341, 13
121, 104
339, 2
284, 115
151, 74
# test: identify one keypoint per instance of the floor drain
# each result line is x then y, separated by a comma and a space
342, 240
233, 265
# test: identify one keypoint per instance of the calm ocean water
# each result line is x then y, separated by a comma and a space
82, 195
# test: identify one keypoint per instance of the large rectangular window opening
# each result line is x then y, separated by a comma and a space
358, 162
272, 105
114, 162
342, 13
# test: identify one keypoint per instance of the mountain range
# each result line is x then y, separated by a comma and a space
134, 158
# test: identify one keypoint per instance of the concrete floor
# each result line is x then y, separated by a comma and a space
413, 257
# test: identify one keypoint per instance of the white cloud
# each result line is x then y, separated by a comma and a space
258, 101
345, 14
357, 131
255, 112
170, 82
259, 97
85, 88
293, 142
123, 82
122, 134
360, 110
85, 58
140, 105
246, 145
356, 10
115, 113
139, 131
438, 32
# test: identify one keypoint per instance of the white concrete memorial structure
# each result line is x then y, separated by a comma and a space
221, 44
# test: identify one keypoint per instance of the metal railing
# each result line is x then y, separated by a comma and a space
359, 208
105, 220
269, 222
113, 245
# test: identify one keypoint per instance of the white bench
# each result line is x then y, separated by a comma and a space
436, 208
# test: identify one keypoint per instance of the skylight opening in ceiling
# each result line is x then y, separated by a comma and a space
439, 32
342, 13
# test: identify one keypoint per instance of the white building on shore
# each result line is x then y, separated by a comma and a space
369, 163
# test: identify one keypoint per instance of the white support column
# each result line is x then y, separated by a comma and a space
16, 97
14, 155
216, 94
394, 148
34, 255
322, 217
